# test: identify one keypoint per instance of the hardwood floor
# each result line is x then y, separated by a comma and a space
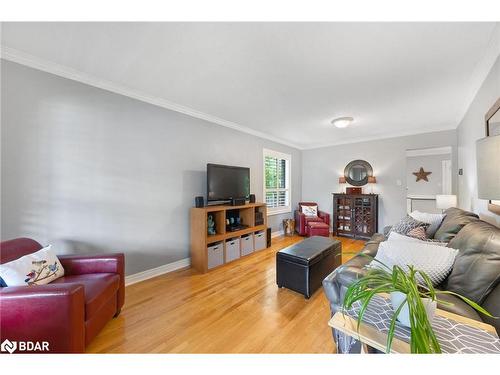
236, 308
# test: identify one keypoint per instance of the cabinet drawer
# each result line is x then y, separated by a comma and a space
260, 240
246, 244
232, 249
215, 255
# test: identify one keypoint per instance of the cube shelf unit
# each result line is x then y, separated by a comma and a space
202, 243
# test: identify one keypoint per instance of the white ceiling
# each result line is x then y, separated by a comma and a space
283, 81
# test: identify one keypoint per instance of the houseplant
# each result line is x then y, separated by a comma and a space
415, 285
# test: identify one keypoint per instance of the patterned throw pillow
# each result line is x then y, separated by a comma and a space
37, 268
310, 210
418, 232
434, 221
407, 224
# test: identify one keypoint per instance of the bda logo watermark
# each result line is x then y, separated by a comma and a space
24, 346
8, 346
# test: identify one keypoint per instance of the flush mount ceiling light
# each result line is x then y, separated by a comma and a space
342, 122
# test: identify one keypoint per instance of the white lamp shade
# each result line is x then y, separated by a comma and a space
446, 201
488, 167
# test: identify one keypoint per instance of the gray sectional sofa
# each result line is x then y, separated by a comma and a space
475, 273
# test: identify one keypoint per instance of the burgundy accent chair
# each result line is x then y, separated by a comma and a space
68, 312
302, 220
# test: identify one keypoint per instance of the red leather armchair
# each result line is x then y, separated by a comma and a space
70, 311
302, 220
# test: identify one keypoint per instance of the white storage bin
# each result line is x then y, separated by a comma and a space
215, 255
246, 244
232, 249
260, 240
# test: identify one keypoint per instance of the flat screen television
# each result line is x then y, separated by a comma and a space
225, 182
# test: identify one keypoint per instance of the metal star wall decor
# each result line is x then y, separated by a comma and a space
422, 175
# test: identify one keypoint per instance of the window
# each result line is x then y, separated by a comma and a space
277, 182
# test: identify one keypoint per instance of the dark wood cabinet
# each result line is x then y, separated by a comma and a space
355, 215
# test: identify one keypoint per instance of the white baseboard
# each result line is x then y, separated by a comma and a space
166, 268
277, 233
148, 274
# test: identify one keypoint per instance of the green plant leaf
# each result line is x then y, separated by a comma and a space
366, 301
469, 302
428, 283
392, 327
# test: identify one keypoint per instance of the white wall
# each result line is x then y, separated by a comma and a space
471, 129
430, 163
92, 171
322, 167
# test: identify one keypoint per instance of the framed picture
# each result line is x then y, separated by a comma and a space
492, 124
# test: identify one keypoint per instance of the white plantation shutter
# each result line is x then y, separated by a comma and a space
277, 181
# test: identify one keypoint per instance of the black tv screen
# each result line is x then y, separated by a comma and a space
225, 182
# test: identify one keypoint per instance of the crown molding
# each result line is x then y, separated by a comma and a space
481, 71
429, 151
479, 75
19, 57
382, 137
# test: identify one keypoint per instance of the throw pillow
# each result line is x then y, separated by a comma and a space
435, 261
310, 210
393, 236
38, 268
418, 233
407, 224
434, 221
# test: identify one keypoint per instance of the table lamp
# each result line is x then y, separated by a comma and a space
342, 181
372, 180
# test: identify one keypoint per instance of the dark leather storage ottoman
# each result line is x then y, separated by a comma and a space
303, 266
